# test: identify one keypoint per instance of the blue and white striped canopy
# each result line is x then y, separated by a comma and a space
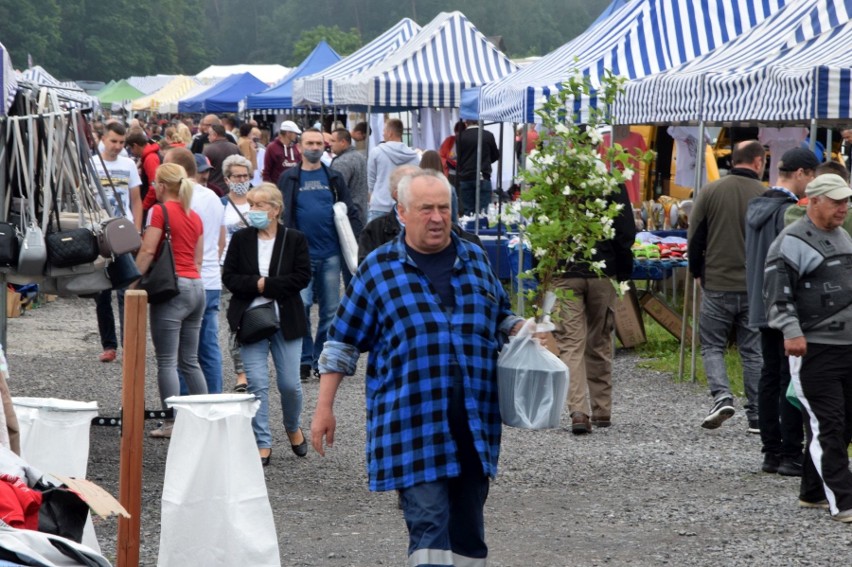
448, 55
8, 81
642, 38
318, 89
69, 94
765, 75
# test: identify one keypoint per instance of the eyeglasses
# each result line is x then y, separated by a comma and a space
240, 176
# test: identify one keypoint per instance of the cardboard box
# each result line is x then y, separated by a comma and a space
629, 327
99, 500
13, 304
667, 317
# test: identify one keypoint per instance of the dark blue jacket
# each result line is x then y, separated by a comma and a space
288, 184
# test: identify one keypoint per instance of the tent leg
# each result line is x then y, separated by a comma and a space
478, 175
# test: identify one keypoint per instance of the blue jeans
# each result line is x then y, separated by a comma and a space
467, 193
445, 518
175, 328
106, 318
720, 311
285, 357
324, 288
209, 354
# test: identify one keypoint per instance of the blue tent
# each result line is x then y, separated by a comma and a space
641, 38
280, 97
224, 96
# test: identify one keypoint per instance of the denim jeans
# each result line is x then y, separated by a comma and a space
209, 354
175, 328
106, 318
467, 192
324, 289
285, 357
720, 311
445, 518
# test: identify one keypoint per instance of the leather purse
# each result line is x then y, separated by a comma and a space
10, 245
262, 321
161, 280
118, 236
67, 248
122, 271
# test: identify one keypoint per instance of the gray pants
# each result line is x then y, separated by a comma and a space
720, 311
175, 328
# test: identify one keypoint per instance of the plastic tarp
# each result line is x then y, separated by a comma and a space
120, 91
269, 74
280, 97
224, 96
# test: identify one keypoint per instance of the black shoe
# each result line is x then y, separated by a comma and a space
305, 372
753, 427
771, 461
721, 411
264, 461
791, 466
301, 450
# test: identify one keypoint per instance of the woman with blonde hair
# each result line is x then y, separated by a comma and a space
184, 133
176, 323
267, 262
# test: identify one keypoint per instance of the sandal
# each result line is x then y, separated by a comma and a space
241, 388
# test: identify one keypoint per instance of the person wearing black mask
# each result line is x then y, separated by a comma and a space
310, 191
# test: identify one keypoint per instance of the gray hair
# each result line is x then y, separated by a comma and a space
404, 189
233, 160
397, 175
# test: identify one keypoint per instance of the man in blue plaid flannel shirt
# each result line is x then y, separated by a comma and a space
432, 314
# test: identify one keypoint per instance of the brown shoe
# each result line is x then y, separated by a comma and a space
580, 423
601, 420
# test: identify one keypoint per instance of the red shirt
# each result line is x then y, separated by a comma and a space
186, 229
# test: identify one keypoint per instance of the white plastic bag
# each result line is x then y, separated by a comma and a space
348, 243
216, 509
532, 382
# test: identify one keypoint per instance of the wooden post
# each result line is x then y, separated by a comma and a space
132, 426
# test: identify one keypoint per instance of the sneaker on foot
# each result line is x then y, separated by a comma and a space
305, 372
108, 355
821, 505
791, 466
754, 427
844, 516
771, 462
164, 431
721, 411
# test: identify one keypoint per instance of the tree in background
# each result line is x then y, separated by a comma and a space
342, 42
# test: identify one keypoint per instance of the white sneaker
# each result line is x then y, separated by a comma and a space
822, 504
164, 431
844, 516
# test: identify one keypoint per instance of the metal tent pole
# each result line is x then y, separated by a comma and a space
478, 175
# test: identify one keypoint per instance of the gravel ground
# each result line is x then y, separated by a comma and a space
653, 489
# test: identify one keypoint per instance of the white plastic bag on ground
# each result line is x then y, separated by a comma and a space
532, 382
216, 509
55, 439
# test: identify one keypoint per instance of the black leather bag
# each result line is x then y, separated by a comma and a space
262, 321
67, 248
161, 280
258, 323
10, 245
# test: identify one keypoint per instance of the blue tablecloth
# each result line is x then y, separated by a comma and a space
504, 260
655, 269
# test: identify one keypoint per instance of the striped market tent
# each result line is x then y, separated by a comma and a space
430, 70
319, 89
68, 93
171, 91
280, 97
150, 84
641, 38
787, 69
8, 81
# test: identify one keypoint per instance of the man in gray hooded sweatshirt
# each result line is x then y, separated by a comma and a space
780, 422
381, 162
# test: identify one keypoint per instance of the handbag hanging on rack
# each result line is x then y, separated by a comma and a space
262, 321
33, 255
161, 280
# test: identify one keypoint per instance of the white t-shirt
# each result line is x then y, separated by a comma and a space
264, 256
687, 147
232, 223
780, 140
257, 179
124, 176
209, 207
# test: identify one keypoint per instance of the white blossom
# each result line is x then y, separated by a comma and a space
561, 128
628, 174
566, 190
543, 219
600, 265
601, 167
623, 287
540, 252
594, 135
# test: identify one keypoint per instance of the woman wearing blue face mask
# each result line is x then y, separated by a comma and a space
269, 263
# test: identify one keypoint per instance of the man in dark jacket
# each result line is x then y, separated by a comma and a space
467, 167
583, 333
282, 153
310, 191
780, 422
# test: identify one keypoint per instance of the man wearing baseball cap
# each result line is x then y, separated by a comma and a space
780, 422
808, 293
282, 153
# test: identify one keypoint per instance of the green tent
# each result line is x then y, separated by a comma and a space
120, 91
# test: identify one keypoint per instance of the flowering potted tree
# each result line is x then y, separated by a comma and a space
569, 180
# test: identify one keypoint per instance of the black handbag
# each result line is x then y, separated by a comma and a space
262, 321
161, 281
10, 245
66, 248
122, 271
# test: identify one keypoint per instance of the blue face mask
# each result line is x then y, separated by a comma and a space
258, 219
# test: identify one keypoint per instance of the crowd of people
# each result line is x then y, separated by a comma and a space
258, 220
